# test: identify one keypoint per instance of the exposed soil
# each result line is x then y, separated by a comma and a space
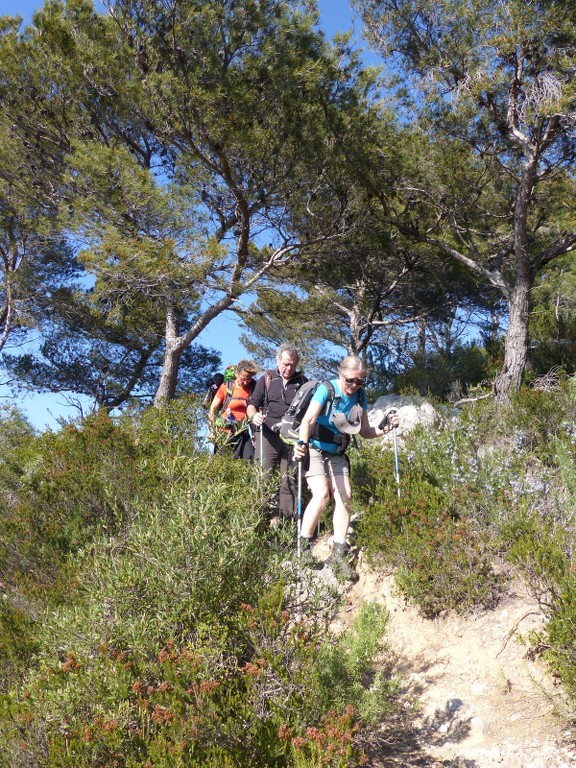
474, 695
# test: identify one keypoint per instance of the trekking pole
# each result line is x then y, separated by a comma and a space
396, 463
298, 531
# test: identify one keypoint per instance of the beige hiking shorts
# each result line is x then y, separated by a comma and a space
328, 464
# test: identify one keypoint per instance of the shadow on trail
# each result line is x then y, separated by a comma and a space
399, 744
404, 739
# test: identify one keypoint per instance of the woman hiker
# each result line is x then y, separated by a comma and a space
323, 439
229, 428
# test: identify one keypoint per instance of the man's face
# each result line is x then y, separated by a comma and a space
287, 365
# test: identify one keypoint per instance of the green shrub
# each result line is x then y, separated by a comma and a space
17, 437
434, 374
18, 642
435, 533
188, 706
342, 667
181, 647
442, 562
545, 556
59, 491
447, 568
79, 481
87, 478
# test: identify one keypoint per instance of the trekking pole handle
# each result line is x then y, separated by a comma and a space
301, 445
384, 421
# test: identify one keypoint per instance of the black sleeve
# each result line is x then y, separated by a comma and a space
257, 399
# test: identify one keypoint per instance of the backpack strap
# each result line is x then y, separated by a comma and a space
319, 432
267, 379
230, 392
333, 398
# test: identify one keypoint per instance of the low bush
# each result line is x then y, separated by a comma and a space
442, 561
545, 557
181, 649
61, 490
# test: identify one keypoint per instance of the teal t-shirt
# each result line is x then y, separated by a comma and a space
340, 404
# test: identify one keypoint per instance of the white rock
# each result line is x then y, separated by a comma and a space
411, 411
478, 687
478, 725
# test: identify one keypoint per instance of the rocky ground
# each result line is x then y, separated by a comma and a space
474, 696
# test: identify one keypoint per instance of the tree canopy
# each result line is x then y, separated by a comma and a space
495, 101
158, 162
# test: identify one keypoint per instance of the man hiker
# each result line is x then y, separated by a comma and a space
274, 392
229, 428
323, 438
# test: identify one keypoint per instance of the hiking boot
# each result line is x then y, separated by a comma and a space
307, 559
340, 563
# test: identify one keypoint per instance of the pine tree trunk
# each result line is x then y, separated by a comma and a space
169, 377
516, 344
174, 348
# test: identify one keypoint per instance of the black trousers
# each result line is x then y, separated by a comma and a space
239, 445
277, 455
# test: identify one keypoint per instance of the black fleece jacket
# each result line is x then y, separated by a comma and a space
275, 398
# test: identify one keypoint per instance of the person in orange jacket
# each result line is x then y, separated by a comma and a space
227, 415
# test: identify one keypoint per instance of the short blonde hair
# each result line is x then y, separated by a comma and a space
353, 363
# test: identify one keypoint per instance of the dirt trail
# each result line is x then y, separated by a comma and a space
475, 698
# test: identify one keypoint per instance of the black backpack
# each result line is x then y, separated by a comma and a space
211, 388
214, 382
288, 427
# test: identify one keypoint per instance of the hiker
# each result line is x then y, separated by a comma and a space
328, 469
273, 394
229, 429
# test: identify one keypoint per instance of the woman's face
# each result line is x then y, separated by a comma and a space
243, 378
351, 380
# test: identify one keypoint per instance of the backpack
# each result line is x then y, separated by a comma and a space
288, 427
214, 382
211, 388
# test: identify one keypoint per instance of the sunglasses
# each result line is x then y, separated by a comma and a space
358, 382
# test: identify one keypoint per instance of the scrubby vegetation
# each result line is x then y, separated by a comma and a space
491, 490
148, 613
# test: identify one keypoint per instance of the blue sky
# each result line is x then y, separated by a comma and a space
336, 14
222, 334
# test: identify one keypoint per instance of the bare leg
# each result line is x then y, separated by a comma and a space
342, 492
320, 490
